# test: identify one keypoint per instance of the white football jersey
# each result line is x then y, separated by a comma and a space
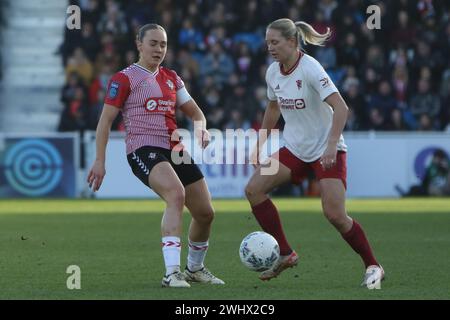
300, 93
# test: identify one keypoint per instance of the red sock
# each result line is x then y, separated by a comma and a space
358, 241
267, 215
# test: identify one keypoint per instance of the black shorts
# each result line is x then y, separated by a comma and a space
145, 158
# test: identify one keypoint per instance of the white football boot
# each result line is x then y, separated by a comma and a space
203, 275
373, 277
175, 280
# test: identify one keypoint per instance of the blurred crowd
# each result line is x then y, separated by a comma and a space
395, 78
3, 7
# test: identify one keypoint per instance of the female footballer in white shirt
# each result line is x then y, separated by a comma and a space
301, 91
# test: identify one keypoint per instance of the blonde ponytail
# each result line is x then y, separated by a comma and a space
300, 30
309, 35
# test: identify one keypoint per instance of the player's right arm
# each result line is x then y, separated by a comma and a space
97, 172
271, 116
270, 120
117, 93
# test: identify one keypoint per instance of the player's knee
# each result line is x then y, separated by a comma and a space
335, 217
332, 218
206, 217
176, 197
250, 190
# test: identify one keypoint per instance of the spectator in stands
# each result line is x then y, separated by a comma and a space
108, 54
75, 114
189, 34
326, 55
425, 123
186, 60
429, 30
113, 21
327, 7
249, 16
80, 64
260, 97
358, 119
72, 84
349, 53
91, 12
212, 99
396, 121
130, 58
243, 101
424, 57
370, 80
400, 81
100, 83
237, 121
217, 64
425, 103
89, 41
383, 99
375, 58
216, 118
243, 59
446, 40
398, 57
377, 120
404, 32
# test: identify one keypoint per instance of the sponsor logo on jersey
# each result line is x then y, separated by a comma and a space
299, 84
324, 82
160, 105
113, 90
151, 105
292, 104
299, 104
277, 87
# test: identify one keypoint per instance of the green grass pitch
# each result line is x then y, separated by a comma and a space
116, 244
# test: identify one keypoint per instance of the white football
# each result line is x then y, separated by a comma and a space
259, 251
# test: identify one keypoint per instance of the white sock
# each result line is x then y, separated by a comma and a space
196, 255
171, 248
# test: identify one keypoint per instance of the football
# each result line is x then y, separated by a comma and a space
259, 251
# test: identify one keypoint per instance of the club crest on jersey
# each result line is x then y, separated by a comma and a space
151, 105
299, 84
170, 84
113, 90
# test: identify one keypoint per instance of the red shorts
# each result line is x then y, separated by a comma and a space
300, 169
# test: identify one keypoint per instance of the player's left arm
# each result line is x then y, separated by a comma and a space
340, 108
193, 111
339, 118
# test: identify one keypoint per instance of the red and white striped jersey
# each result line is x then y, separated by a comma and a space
147, 101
